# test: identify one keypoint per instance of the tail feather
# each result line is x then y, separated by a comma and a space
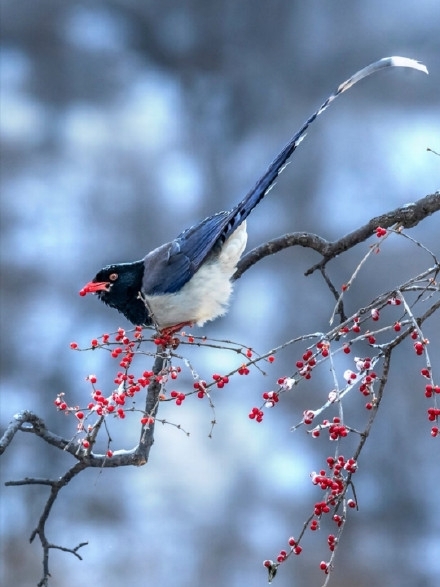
242, 210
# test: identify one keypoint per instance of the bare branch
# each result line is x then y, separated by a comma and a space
406, 216
28, 422
151, 407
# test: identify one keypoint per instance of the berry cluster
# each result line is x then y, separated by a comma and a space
125, 347
200, 387
308, 361
122, 347
334, 482
220, 380
256, 414
178, 396
431, 389
271, 398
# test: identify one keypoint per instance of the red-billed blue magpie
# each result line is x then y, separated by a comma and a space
188, 280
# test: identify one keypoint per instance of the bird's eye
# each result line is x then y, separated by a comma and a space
113, 276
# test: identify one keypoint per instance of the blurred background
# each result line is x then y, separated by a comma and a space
122, 123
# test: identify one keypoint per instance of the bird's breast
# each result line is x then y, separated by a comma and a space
206, 295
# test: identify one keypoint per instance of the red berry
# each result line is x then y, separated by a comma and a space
280, 558
338, 519
418, 347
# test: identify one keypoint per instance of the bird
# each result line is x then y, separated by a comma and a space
188, 280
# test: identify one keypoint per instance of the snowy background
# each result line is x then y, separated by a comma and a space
124, 122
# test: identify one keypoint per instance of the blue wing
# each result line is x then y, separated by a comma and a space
170, 266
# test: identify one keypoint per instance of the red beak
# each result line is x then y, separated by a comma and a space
94, 286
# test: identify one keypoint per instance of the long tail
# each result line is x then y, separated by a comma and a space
242, 210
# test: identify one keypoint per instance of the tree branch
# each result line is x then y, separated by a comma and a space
28, 422
406, 216
151, 407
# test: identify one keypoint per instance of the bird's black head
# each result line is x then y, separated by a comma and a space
119, 287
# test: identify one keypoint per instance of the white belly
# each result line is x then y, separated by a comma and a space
206, 295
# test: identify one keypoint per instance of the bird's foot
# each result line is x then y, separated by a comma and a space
166, 336
170, 330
